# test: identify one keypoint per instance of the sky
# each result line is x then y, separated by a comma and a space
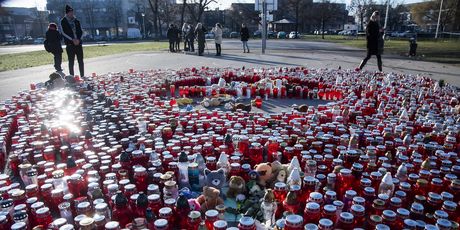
222, 4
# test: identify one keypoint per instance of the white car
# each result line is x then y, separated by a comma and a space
293, 34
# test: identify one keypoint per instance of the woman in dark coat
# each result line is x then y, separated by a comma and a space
53, 45
374, 41
200, 32
172, 37
244, 34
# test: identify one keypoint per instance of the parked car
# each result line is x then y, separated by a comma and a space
209, 35
234, 34
271, 34
294, 34
11, 40
39, 40
257, 34
281, 34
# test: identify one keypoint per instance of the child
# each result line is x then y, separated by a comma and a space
53, 45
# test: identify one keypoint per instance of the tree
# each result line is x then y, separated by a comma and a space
426, 13
114, 13
325, 12
360, 8
201, 5
156, 17
296, 5
88, 8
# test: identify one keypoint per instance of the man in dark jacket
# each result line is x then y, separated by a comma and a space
72, 33
53, 45
171, 34
244, 34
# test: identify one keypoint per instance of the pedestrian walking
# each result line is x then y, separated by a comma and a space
244, 34
200, 32
171, 34
374, 37
72, 33
217, 30
53, 45
185, 31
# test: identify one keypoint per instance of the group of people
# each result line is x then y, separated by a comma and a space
198, 33
70, 30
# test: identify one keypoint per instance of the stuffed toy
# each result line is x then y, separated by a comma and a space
194, 205
215, 178
254, 189
210, 102
265, 173
209, 199
236, 185
242, 106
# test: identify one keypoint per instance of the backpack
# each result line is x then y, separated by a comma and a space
47, 45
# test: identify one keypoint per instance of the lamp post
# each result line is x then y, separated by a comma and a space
143, 25
439, 21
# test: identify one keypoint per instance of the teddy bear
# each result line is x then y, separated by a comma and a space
265, 172
236, 185
209, 199
215, 178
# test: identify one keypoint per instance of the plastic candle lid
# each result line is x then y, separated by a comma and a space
113, 225
247, 221
294, 219
160, 223
67, 227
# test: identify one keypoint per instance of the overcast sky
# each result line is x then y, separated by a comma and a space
221, 3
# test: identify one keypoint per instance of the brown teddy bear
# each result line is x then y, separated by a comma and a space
265, 172
236, 186
209, 199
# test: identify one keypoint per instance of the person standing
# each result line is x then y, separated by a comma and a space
53, 45
200, 32
190, 36
244, 34
171, 34
72, 33
185, 31
178, 37
217, 30
374, 41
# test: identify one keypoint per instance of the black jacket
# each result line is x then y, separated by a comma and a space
244, 34
172, 34
201, 35
53, 41
66, 29
373, 37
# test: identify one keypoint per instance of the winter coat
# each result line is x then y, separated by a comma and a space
374, 38
68, 33
171, 34
217, 35
53, 41
244, 34
200, 35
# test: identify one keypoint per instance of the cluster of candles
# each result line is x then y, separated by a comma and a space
116, 152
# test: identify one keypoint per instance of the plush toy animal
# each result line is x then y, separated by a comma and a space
242, 106
236, 185
215, 178
265, 173
209, 199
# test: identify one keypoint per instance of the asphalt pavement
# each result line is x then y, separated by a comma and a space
279, 53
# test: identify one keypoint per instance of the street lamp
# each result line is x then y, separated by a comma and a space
439, 20
143, 25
